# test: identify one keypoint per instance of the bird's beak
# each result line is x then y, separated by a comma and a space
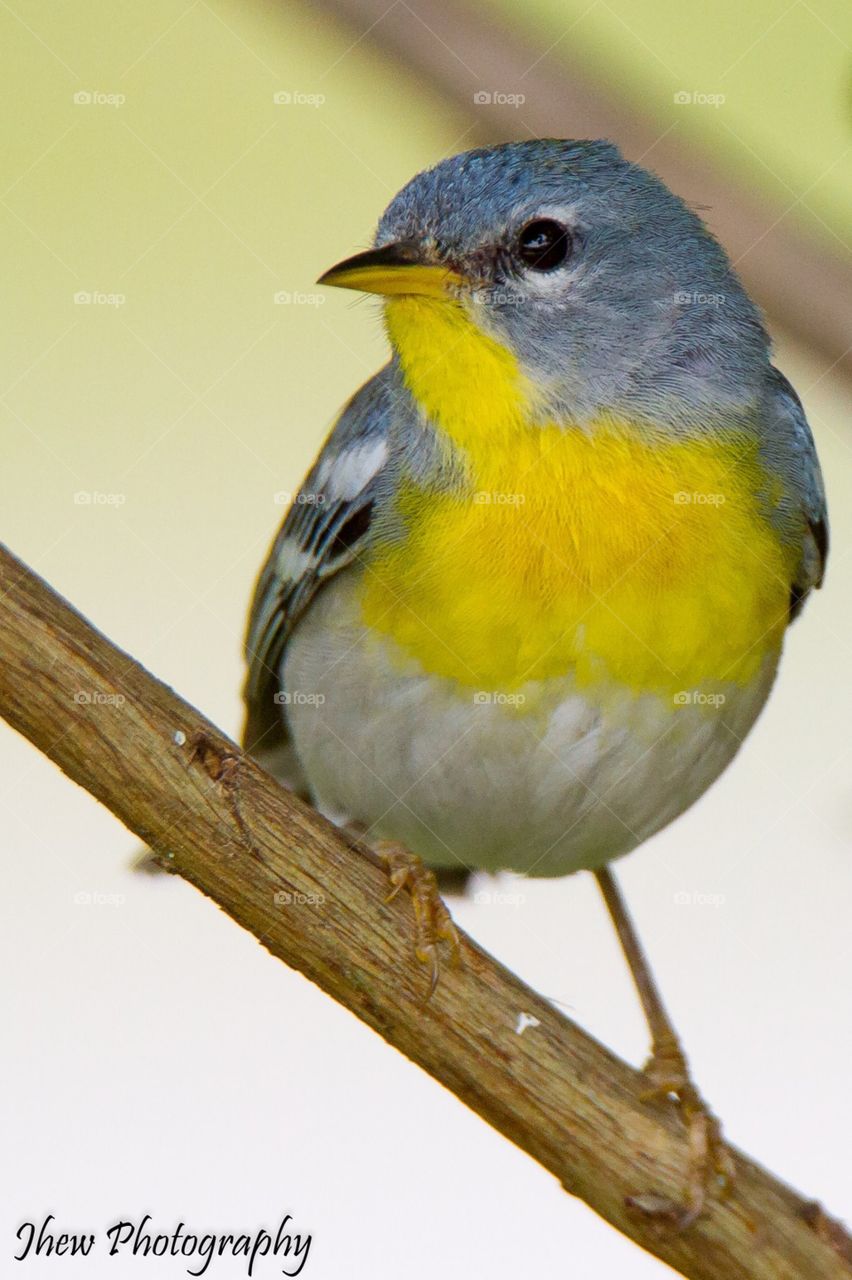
399, 268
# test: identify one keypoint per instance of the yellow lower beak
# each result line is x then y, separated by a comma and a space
394, 269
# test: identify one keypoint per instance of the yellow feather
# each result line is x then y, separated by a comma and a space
599, 552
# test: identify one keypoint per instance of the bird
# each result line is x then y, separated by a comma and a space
532, 595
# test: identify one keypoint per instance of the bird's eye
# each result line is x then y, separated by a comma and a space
544, 244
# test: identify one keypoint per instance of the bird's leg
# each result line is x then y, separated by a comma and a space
432, 921
667, 1069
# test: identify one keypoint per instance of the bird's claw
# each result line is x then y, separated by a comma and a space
433, 923
709, 1158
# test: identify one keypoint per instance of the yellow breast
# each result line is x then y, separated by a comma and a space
596, 552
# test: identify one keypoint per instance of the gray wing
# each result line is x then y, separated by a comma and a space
325, 529
806, 479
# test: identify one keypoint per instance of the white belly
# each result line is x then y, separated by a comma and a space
563, 780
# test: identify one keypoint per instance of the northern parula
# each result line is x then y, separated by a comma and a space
533, 593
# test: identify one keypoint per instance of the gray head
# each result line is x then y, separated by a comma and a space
607, 288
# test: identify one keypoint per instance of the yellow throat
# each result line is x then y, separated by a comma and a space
600, 553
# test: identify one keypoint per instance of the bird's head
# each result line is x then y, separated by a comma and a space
558, 273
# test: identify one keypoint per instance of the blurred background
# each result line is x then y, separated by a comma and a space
175, 176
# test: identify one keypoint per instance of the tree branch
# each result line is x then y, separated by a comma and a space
223, 824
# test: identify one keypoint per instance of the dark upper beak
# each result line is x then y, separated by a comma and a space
399, 268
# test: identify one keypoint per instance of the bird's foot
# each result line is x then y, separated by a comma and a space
433, 923
710, 1162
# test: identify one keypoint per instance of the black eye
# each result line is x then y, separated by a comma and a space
544, 244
